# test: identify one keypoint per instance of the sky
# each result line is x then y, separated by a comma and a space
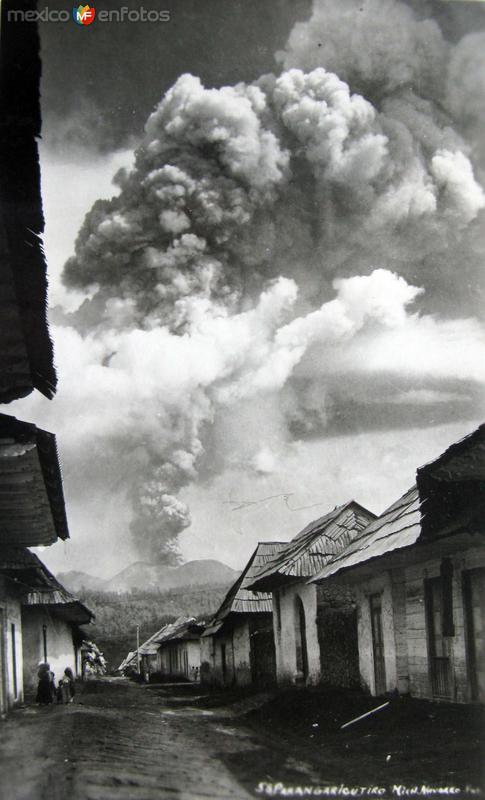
265, 240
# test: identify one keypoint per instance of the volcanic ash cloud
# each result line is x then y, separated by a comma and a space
261, 225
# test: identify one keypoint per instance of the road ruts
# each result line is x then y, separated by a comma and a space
119, 743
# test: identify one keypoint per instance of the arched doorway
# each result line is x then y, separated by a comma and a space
300, 641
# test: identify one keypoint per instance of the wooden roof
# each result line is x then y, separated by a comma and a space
399, 526
449, 498
38, 586
452, 487
314, 546
131, 657
26, 355
183, 629
32, 509
240, 599
150, 646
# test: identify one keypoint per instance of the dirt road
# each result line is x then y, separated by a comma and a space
121, 741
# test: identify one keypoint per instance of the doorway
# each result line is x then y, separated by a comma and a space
438, 648
223, 663
378, 644
3, 665
474, 595
300, 641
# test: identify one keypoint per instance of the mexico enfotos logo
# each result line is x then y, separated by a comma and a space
85, 15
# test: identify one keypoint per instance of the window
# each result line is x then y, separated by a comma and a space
446, 573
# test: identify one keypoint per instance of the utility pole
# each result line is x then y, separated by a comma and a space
138, 649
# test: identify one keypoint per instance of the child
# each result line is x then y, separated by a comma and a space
67, 687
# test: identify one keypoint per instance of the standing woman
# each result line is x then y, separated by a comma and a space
46, 688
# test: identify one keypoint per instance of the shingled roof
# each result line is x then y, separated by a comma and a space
39, 587
183, 629
449, 497
129, 659
240, 599
314, 546
32, 509
399, 526
26, 356
452, 487
151, 645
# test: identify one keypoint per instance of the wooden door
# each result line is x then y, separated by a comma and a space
474, 590
263, 657
438, 648
378, 644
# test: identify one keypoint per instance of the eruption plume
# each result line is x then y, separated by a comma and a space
265, 228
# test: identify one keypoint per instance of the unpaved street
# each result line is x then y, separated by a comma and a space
124, 741
121, 740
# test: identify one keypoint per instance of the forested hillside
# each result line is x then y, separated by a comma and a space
117, 615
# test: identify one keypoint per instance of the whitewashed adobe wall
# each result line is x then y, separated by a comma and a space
242, 654
237, 657
285, 632
381, 584
193, 658
207, 644
181, 659
11, 681
60, 647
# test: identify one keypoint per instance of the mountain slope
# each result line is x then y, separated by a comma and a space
76, 581
152, 577
142, 575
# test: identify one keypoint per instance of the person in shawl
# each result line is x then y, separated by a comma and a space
46, 688
66, 688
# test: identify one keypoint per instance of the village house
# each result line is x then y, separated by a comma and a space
128, 665
50, 617
148, 654
31, 513
172, 653
418, 574
179, 650
31, 495
237, 648
311, 623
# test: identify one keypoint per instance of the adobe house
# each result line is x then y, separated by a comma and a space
310, 622
237, 648
47, 627
179, 649
148, 653
31, 513
418, 573
51, 620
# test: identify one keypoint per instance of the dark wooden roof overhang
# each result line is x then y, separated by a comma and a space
275, 581
452, 486
26, 355
37, 587
32, 508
